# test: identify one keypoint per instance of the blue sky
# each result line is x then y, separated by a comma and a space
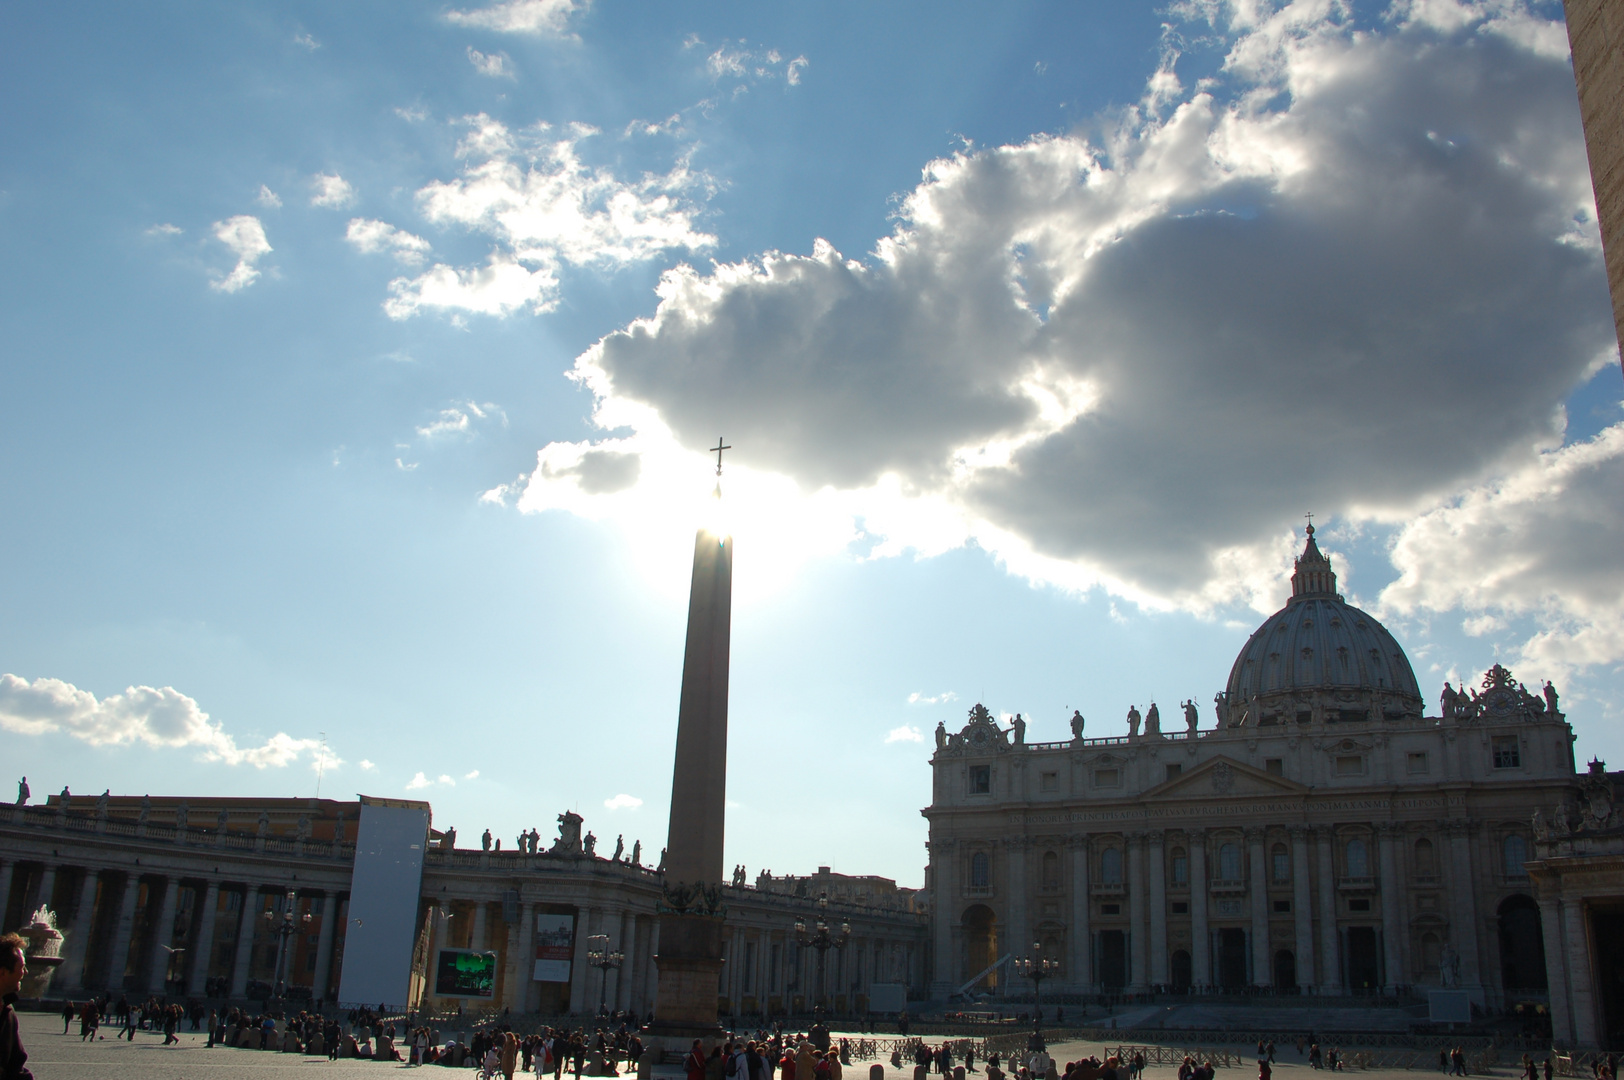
358, 364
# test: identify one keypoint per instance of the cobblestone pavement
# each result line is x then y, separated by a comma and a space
53, 1056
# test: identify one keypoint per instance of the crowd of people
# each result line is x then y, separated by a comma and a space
155, 1014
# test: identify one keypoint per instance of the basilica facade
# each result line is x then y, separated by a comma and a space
1328, 837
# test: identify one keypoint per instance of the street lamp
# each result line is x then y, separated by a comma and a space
599, 956
1037, 969
820, 937
286, 927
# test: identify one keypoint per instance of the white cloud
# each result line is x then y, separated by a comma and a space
534, 17
623, 802
370, 236
419, 781
366, 766
306, 41
164, 229
905, 733
267, 197
245, 236
414, 114
141, 714
405, 466
331, 190
496, 65
544, 207
741, 63
472, 775
1131, 362
460, 419
916, 698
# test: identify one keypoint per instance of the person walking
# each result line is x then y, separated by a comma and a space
13, 966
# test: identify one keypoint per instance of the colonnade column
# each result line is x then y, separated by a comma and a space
1200, 937
1081, 975
476, 939
120, 957
578, 966
1301, 906
1157, 869
324, 945
204, 945
1136, 912
1262, 972
7, 871
163, 934
735, 978
1463, 928
84, 924
527, 955
1020, 938
624, 943
1556, 968
1330, 966
246, 926
509, 972
639, 936
47, 886
1578, 981
944, 906
1392, 921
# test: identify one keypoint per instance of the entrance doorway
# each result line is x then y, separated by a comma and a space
1285, 970
1607, 931
1113, 959
1181, 970
1522, 945
1363, 972
980, 945
1232, 958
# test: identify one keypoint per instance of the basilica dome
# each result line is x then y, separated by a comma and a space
1319, 658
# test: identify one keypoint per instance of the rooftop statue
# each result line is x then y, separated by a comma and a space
1077, 723
1192, 718
1133, 721
1153, 721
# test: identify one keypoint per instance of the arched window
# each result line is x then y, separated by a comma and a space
1516, 855
1358, 858
980, 872
1426, 859
1229, 862
1111, 866
1180, 864
1280, 863
1051, 870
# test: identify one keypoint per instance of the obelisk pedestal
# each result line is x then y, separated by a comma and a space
691, 918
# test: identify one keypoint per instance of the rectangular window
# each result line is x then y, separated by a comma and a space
1049, 781
1350, 765
1107, 778
1110, 909
1359, 903
1507, 754
981, 779
1282, 907
1415, 762
1181, 907
1274, 766
1173, 770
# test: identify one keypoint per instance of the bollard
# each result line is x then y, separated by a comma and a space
958, 1072
919, 1072
876, 1071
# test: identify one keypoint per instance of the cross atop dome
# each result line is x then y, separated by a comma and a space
1312, 574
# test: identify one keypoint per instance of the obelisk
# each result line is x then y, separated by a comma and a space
689, 960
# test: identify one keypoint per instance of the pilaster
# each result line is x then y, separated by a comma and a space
1262, 967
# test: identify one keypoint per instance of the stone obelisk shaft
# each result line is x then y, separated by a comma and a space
690, 956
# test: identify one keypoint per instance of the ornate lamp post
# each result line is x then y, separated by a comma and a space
1037, 969
599, 956
285, 927
820, 937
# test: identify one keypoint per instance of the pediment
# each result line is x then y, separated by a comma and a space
1225, 778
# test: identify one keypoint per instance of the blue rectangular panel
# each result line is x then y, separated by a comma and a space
384, 887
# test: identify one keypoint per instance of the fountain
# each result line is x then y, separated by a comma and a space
44, 952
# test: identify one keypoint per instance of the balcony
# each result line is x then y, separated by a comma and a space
977, 891
1108, 888
1356, 884
1226, 887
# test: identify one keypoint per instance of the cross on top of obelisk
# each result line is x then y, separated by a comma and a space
717, 450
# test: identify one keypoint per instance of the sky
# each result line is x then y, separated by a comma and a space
357, 366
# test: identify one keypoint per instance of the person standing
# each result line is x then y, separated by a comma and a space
13, 966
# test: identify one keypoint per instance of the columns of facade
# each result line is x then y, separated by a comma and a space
527, 957
1392, 919
624, 945
204, 945
1081, 975
1138, 939
1020, 936
944, 855
637, 958
476, 939
1302, 917
578, 966
163, 938
246, 926
324, 946
78, 944
510, 964
1262, 969
47, 886
7, 871
735, 976
1463, 927
1580, 991
1200, 937
1157, 869
1330, 965
120, 956
1556, 970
